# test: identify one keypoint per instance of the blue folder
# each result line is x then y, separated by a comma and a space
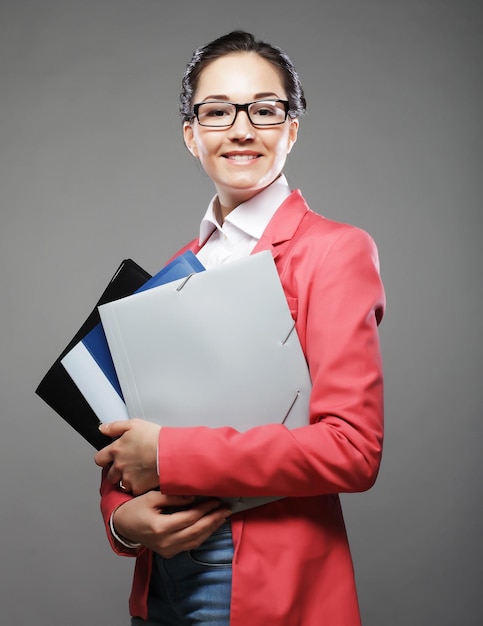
90, 364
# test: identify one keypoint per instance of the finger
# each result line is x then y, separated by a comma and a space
141, 483
209, 505
194, 535
107, 455
124, 486
104, 457
161, 500
210, 511
114, 475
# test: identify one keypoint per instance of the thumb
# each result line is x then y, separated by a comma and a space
115, 429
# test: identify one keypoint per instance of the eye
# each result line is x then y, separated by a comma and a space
215, 109
216, 113
264, 109
267, 112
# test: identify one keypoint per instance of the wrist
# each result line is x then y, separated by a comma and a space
127, 543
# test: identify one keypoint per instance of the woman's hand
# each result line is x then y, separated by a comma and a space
132, 456
142, 520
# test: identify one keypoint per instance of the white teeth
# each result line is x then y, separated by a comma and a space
242, 157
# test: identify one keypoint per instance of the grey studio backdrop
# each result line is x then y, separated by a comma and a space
93, 170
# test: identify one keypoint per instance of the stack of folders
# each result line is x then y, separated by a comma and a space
210, 348
58, 389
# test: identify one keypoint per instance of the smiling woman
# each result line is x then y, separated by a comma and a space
240, 157
285, 563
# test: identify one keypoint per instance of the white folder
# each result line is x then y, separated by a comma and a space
218, 348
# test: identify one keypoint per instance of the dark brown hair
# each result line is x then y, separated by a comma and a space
240, 41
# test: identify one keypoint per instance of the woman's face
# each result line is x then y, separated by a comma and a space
243, 159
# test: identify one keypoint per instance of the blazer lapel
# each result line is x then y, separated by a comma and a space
283, 224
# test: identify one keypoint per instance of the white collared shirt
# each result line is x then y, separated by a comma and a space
242, 227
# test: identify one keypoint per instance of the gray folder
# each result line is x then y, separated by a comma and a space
218, 348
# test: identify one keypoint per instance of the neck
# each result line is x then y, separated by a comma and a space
220, 211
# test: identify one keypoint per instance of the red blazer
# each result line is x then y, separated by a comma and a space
292, 565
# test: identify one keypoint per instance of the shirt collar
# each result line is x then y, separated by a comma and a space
251, 216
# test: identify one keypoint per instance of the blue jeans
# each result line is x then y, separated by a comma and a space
192, 587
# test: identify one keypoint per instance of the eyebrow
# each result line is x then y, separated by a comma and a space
257, 96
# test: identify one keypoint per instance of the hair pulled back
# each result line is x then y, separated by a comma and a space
240, 41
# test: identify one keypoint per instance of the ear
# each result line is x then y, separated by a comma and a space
292, 133
189, 139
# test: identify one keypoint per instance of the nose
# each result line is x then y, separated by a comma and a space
242, 129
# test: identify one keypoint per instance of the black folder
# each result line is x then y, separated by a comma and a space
57, 388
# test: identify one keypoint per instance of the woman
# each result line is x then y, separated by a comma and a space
240, 105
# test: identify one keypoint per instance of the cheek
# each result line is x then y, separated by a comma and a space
204, 146
281, 146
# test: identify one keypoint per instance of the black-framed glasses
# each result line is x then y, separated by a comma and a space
222, 114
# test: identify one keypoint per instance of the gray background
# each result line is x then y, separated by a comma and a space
93, 169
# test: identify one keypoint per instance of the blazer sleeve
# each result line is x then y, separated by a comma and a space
334, 285
111, 499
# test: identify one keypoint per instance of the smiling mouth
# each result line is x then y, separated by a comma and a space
241, 157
